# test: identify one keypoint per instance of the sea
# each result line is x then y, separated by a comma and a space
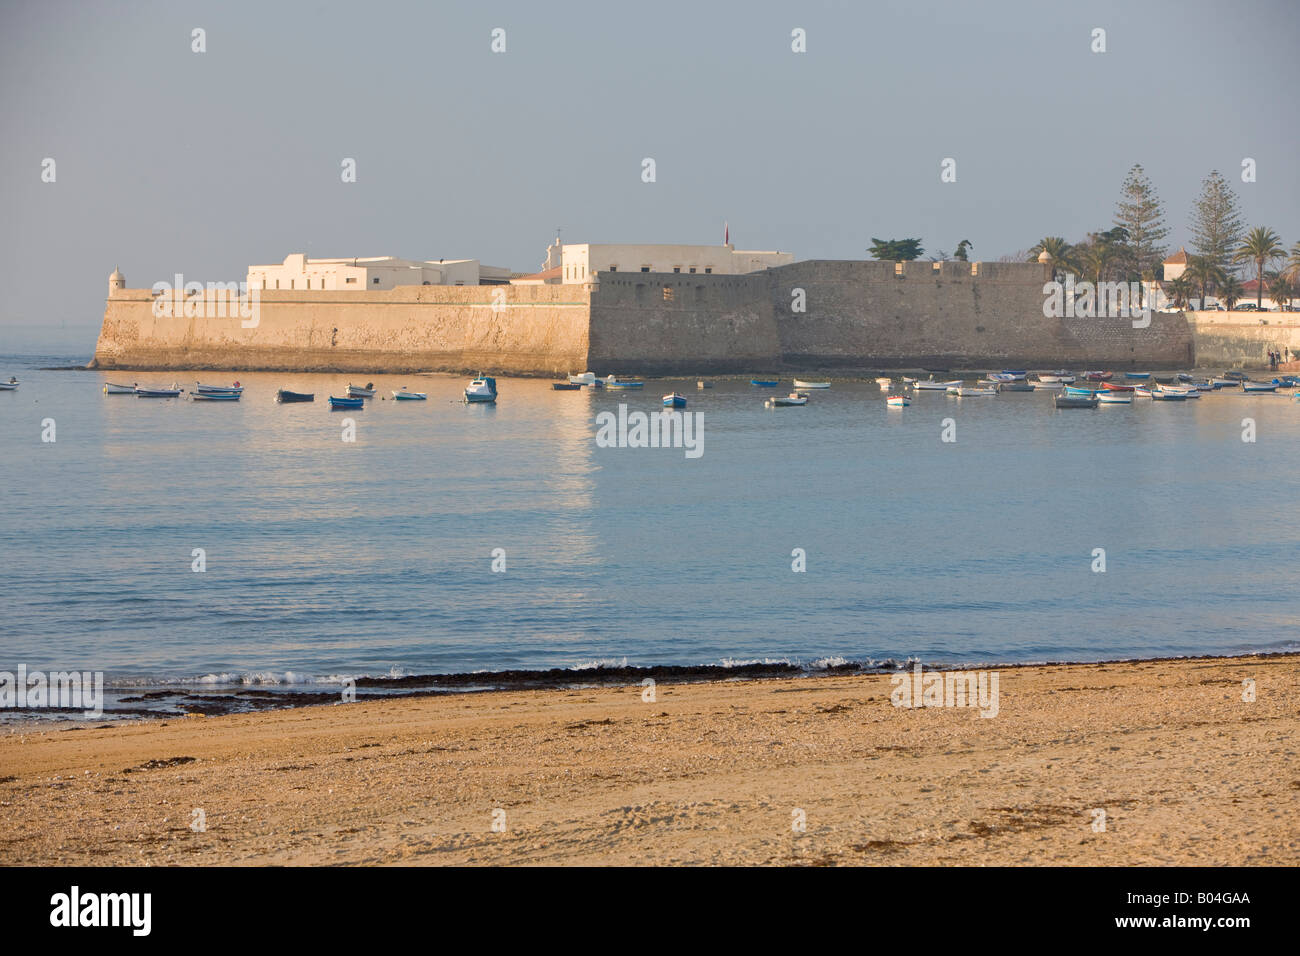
217, 557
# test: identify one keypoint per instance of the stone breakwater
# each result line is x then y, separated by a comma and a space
832, 315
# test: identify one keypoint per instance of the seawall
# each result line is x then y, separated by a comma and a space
1243, 339
820, 314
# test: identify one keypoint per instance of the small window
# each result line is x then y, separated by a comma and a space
645, 268
692, 270
613, 268
309, 283
677, 268
293, 283
375, 280
709, 270
277, 283
350, 279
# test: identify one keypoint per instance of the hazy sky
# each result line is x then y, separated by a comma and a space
173, 161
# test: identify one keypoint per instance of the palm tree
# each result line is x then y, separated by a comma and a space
1261, 245
1293, 262
1059, 253
1204, 273
1281, 289
1094, 258
1230, 290
1179, 291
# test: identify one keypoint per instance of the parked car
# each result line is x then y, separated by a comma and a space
1247, 307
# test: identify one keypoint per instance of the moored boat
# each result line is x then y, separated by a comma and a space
482, 389
1098, 376
1225, 382
802, 384
1139, 376
884, 383
285, 396
566, 386
1080, 390
586, 378
111, 389
348, 402
157, 391
357, 391
765, 382
794, 398
612, 382
673, 400
11, 385
1115, 398
1258, 386
933, 386
1166, 394
401, 395
1077, 401
1142, 391
970, 391
1112, 387
1016, 387
1236, 376
214, 396
1051, 386
703, 383
217, 389
898, 401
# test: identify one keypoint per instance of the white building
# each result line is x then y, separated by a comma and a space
577, 262
382, 272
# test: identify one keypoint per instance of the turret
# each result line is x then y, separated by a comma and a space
116, 282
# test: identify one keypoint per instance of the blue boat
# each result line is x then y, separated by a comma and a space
1076, 390
625, 384
674, 400
1141, 376
347, 402
764, 383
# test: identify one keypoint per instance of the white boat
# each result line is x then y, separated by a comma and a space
111, 389
898, 401
1047, 385
933, 386
1115, 398
482, 389
401, 395
158, 391
356, 391
1049, 379
214, 396
1258, 387
1225, 382
970, 391
884, 383
801, 384
218, 389
794, 398
586, 378
9, 386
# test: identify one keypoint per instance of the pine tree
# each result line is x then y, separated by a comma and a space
1216, 224
1141, 214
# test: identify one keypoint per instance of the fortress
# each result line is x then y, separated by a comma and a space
661, 310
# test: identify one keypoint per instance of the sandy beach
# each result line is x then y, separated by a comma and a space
1185, 770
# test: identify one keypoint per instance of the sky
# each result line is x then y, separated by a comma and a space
172, 161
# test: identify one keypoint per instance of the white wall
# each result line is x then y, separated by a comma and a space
580, 260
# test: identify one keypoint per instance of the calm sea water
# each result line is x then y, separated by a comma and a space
327, 559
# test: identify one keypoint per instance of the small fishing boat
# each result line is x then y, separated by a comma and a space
898, 401
970, 391
214, 396
1236, 376
933, 386
1045, 385
149, 391
1225, 382
566, 386
801, 384
1077, 401
349, 402
286, 396
1016, 387
1112, 387
402, 395
586, 378
218, 389
1183, 377
1166, 394
10, 386
482, 389
612, 382
1258, 386
356, 391
1137, 376
906, 380
1115, 398
703, 383
884, 383
765, 383
1048, 378
1187, 391
673, 400
1142, 391
1098, 376
1203, 386
1080, 390
794, 398
111, 389
1017, 374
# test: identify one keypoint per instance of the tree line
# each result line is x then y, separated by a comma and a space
1133, 248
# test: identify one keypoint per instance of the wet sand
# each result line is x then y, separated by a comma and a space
1186, 771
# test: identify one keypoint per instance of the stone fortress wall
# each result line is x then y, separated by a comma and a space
858, 315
